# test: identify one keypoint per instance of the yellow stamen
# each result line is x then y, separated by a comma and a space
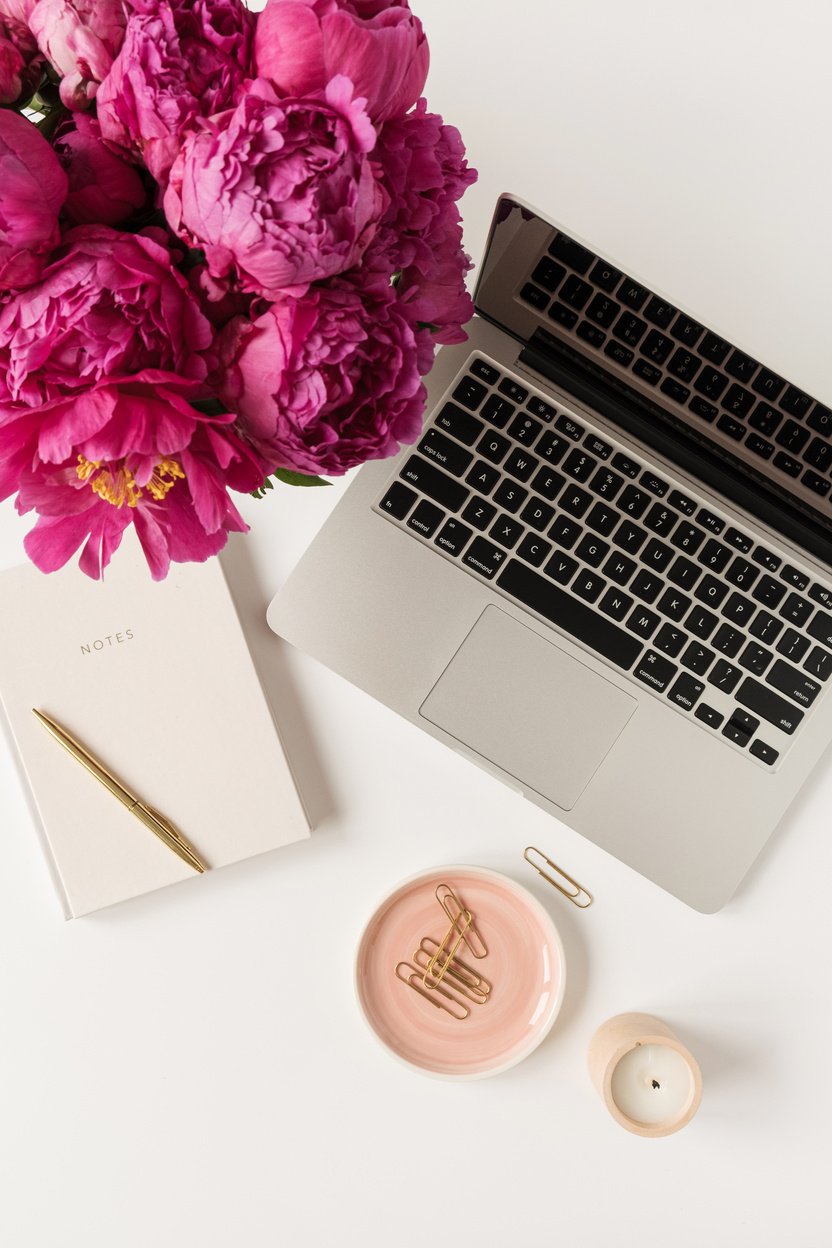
116, 484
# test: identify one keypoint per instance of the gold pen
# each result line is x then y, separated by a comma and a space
151, 818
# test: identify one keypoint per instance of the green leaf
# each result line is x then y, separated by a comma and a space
287, 477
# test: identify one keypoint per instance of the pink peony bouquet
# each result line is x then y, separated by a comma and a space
229, 243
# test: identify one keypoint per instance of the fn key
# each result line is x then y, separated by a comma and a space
398, 500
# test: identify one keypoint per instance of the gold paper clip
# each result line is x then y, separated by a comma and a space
438, 964
466, 980
413, 979
455, 911
575, 893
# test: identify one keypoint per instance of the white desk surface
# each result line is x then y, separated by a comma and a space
190, 1070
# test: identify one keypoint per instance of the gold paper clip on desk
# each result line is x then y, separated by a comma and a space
152, 819
436, 971
576, 892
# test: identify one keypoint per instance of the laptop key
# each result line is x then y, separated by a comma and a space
497, 411
430, 480
661, 520
714, 348
579, 465
698, 658
592, 550
588, 586
479, 513
686, 692
796, 610
740, 728
470, 393
606, 483
675, 390
818, 663
656, 555
618, 352
725, 676
793, 683
728, 640
632, 294
506, 531
670, 640
626, 465
740, 540
494, 447
766, 559
711, 591
485, 371
815, 483
731, 428
537, 513
484, 557
682, 503
563, 315
629, 537
673, 604
708, 715
548, 274
449, 455
575, 292
520, 465
738, 401
765, 418
766, 753
533, 295
603, 311
684, 573
398, 500
647, 372
791, 467
605, 276
741, 366
534, 550
459, 424
544, 411
769, 705
570, 427
738, 609
619, 568
643, 622
759, 446
741, 574
701, 622
660, 312
565, 532
602, 519
770, 593
629, 328
571, 253
687, 537
793, 645
426, 518
575, 500
615, 604
524, 430
766, 627
702, 409
686, 330
646, 586
821, 420
657, 347
483, 477
570, 614
513, 390
793, 576
795, 402
548, 483
510, 496
710, 383
823, 596
551, 447
655, 671
768, 384
714, 555
755, 658
453, 537
561, 568
633, 501
654, 484
597, 446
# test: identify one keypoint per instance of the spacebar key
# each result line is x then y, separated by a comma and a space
569, 614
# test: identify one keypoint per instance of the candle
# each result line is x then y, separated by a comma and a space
648, 1080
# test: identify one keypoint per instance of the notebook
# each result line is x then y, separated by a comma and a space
156, 681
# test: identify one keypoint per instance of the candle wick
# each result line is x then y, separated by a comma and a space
656, 1084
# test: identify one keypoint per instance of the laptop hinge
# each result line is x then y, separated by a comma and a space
676, 441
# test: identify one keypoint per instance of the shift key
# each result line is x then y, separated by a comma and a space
434, 483
769, 705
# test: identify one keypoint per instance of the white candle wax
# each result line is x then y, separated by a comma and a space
652, 1084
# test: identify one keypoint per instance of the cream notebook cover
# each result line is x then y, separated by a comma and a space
156, 681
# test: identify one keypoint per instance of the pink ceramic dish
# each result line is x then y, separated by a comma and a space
525, 966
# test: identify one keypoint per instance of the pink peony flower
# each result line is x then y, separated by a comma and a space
103, 188
21, 64
131, 450
34, 188
379, 44
109, 305
79, 38
280, 190
18, 10
181, 60
325, 381
423, 165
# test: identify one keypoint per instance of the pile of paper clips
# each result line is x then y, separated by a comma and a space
436, 972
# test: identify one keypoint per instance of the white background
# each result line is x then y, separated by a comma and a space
190, 1069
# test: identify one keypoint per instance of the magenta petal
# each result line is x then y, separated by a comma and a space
54, 540
153, 543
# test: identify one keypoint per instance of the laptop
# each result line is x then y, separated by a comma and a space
604, 571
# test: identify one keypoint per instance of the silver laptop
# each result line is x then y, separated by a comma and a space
603, 572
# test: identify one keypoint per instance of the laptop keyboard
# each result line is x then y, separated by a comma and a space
735, 401
574, 527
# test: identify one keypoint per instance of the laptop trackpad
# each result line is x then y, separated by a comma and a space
527, 706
